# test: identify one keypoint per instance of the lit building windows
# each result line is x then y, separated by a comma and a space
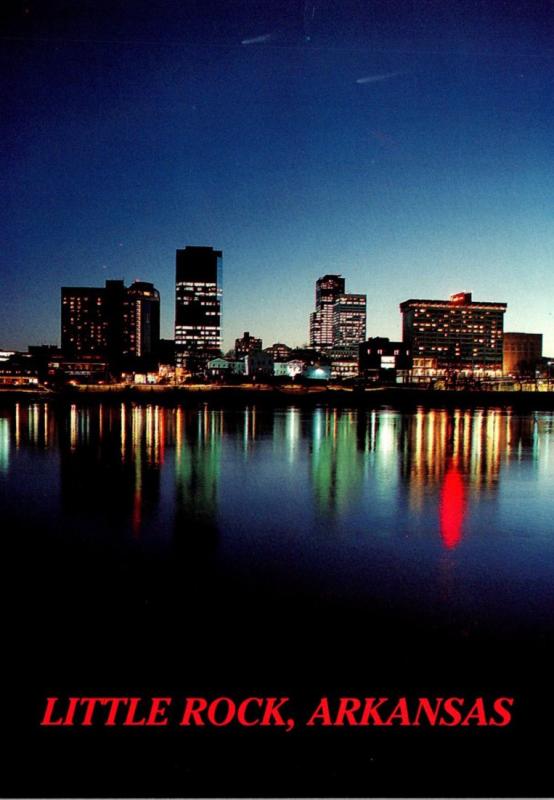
113, 321
459, 334
197, 306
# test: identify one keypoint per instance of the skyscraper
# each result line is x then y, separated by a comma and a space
142, 320
327, 290
455, 334
197, 306
349, 321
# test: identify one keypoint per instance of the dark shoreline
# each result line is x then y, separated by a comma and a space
400, 398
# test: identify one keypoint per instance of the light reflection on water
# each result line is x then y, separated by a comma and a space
363, 495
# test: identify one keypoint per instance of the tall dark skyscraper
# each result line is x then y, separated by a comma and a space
119, 324
327, 290
197, 306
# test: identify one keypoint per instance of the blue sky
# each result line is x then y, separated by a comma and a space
407, 146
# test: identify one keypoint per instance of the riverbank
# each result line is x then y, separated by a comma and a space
218, 395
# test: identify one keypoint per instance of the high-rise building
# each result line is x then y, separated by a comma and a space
93, 320
349, 321
197, 306
327, 290
454, 334
84, 323
111, 322
142, 320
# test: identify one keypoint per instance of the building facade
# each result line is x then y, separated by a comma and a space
197, 306
224, 367
522, 353
113, 322
247, 344
142, 320
455, 335
84, 321
383, 360
349, 321
279, 351
288, 369
258, 363
344, 366
327, 290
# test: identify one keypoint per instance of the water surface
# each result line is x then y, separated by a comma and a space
440, 507
309, 552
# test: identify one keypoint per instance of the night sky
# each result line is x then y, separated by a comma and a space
408, 146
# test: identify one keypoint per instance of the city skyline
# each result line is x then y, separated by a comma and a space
406, 148
283, 335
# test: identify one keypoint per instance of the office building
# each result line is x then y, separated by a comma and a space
197, 306
454, 335
349, 321
522, 353
327, 290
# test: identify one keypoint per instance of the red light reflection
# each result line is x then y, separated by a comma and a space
137, 513
452, 508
